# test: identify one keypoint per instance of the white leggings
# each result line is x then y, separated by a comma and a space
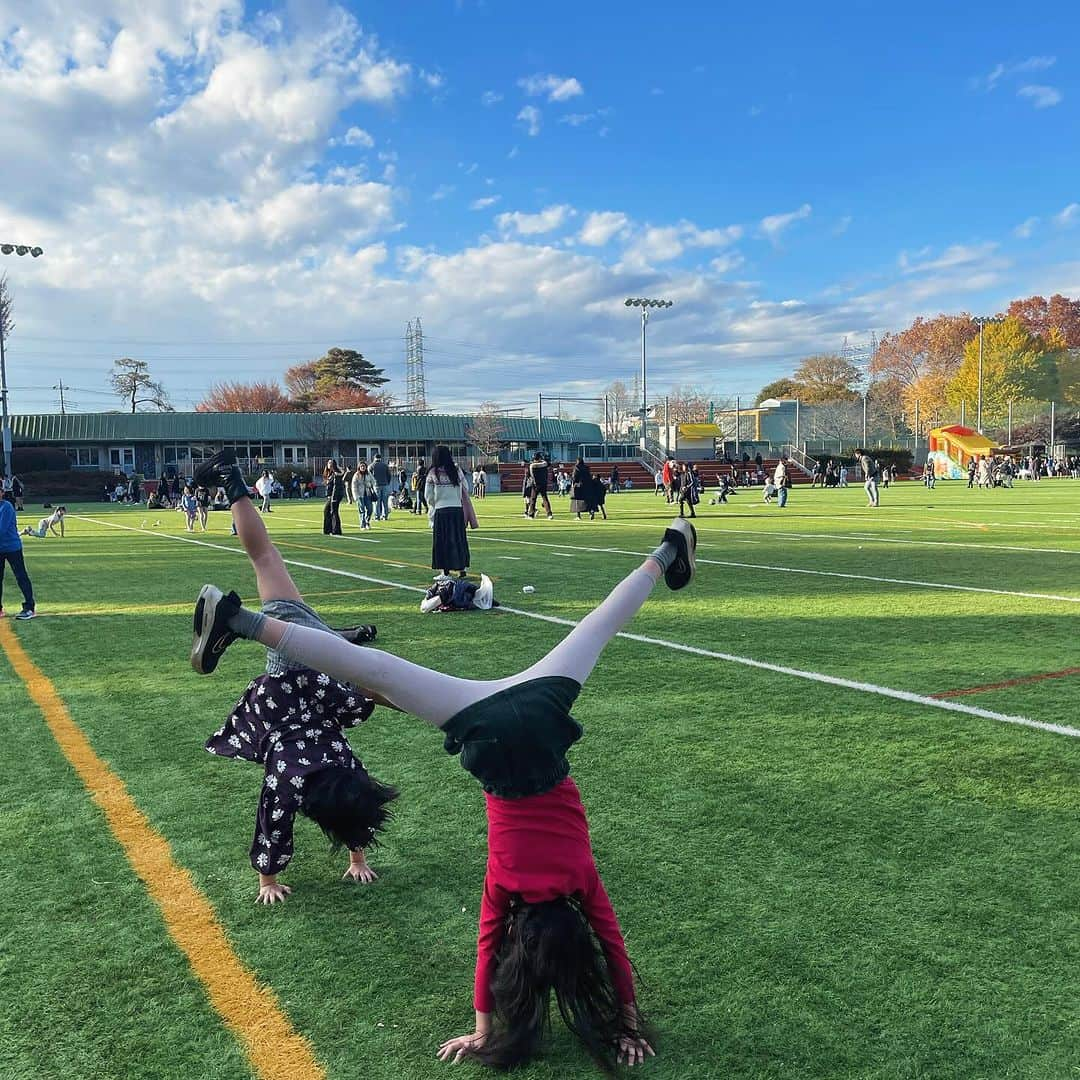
435, 697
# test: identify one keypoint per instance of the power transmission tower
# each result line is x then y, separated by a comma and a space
415, 389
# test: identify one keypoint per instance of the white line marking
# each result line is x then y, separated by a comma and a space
812, 676
511, 558
814, 573
561, 554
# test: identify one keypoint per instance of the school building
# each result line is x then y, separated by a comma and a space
152, 443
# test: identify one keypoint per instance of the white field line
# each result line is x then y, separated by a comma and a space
799, 570
860, 537
812, 676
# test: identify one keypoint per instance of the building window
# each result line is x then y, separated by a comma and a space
406, 451
83, 457
175, 453
294, 455
252, 451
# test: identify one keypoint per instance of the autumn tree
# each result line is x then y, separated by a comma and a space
780, 389
921, 361
1014, 367
836, 419
342, 379
300, 382
1040, 316
131, 381
826, 377
256, 397
486, 431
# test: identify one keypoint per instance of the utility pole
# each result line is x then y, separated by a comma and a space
540, 421
60, 387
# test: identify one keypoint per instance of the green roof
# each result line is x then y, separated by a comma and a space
121, 427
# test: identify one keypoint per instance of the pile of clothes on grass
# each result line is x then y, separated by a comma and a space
459, 594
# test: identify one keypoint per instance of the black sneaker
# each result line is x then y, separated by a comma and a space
26, 613
222, 471
684, 536
213, 610
358, 635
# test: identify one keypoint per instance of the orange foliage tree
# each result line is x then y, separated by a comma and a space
1041, 316
256, 397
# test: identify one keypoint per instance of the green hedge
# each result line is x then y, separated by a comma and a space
900, 458
35, 459
79, 485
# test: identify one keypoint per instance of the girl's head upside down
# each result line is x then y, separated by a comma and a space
548, 947
348, 805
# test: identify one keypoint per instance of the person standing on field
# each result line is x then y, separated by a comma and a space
381, 471
538, 471
11, 553
870, 476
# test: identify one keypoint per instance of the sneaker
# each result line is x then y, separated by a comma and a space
684, 536
26, 613
213, 610
358, 635
551, 517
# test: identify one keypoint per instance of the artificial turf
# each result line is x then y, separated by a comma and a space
814, 881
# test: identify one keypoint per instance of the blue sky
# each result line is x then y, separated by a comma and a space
227, 192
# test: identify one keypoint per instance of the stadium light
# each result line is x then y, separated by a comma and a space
645, 304
5, 431
20, 249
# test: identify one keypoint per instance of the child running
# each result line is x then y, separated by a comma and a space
48, 525
546, 923
291, 720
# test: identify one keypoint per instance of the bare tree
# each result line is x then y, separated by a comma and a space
621, 403
131, 381
689, 404
7, 310
840, 420
486, 430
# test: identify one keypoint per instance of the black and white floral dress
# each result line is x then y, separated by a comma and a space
293, 725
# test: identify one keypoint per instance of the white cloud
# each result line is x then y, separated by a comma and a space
549, 219
577, 119
842, 225
1004, 71
660, 244
490, 97
602, 226
952, 258
725, 264
485, 202
530, 117
1042, 97
358, 137
442, 192
1069, 216
555, 87
775, 224
1026, 228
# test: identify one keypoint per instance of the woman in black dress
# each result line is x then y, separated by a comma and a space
446, 490
335, 492
582, 493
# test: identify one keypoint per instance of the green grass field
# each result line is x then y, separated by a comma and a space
815, 880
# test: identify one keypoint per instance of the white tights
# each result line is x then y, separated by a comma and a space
435, 697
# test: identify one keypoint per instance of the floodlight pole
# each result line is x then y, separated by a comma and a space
5, 420
645, 304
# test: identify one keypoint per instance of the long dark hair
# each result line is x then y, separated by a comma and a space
348, 805
551, 947
442, 461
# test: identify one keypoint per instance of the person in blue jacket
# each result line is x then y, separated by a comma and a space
11, 551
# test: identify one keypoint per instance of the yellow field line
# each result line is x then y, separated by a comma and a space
274, 1048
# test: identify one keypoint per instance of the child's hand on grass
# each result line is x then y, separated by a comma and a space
459, 1048
271, 891
359, 869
